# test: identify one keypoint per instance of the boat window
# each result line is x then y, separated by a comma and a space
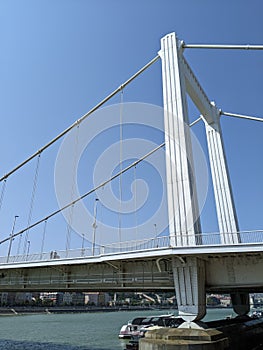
146, 321
137, 320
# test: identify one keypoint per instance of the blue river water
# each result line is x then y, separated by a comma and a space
78, 331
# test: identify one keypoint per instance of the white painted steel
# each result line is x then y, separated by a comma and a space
251, 241
195, 121
242, 116
197, 93
222, 47
181, 194
226, 272
226, 212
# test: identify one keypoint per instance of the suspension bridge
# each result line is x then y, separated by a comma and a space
182, 258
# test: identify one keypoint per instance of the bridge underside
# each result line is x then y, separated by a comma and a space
224, 273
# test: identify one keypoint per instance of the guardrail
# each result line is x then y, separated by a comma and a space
189, 241
92, 279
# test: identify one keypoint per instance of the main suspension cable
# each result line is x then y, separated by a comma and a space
101, 103
87, 193
222, 47
242, 116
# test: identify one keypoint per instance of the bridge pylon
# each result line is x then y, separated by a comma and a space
183, 212
181, 190
226, 212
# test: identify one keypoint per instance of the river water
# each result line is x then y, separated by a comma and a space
82, 331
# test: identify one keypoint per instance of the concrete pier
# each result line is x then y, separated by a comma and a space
241, 333
184, 339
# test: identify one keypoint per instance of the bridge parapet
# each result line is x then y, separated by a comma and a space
204, 240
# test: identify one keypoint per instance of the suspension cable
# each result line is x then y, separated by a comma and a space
69, 228
32, 203
87, 193
43, 238
224, 47
135, 203
92, 110
241, 116
195, 122
2, 193
71, 210
121, 165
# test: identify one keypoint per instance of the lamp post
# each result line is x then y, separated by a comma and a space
11, 239
28, 247
94, 226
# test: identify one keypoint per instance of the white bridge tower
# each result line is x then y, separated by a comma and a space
184, 224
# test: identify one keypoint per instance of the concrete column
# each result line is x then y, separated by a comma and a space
240, 302
226, 212
181, 192
189, 280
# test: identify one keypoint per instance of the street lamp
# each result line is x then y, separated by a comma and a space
11, 239
28, 247
94, 226
155, 230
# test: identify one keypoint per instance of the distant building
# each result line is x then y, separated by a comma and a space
97, 298
75, 298
67, 298
53, 298
7, 298
4, 298
23, 298
78, 298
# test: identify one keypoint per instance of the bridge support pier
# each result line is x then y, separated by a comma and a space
240, 302
189, 280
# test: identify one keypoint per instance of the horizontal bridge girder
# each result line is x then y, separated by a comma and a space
197, 94
224, 272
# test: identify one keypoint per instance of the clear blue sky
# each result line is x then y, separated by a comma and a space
59, 58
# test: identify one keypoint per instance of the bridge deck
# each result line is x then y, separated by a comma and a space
251, 241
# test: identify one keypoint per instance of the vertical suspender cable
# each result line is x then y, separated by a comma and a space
135, 205
121, 165
2, 193
69, 229
101, 103
31, 204
19, 244
43, 238
71, 209
93, 190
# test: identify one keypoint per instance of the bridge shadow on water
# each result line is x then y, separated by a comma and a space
28, 345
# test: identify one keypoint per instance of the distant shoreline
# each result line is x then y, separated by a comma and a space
27, 310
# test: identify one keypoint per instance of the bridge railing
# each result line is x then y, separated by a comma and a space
172, 241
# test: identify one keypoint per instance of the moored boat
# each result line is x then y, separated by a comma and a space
136, 325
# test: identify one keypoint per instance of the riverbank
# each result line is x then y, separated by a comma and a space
12, 310
20, 310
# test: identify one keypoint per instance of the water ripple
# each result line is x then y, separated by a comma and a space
25, 345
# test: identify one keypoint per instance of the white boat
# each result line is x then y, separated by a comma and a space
134, 326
